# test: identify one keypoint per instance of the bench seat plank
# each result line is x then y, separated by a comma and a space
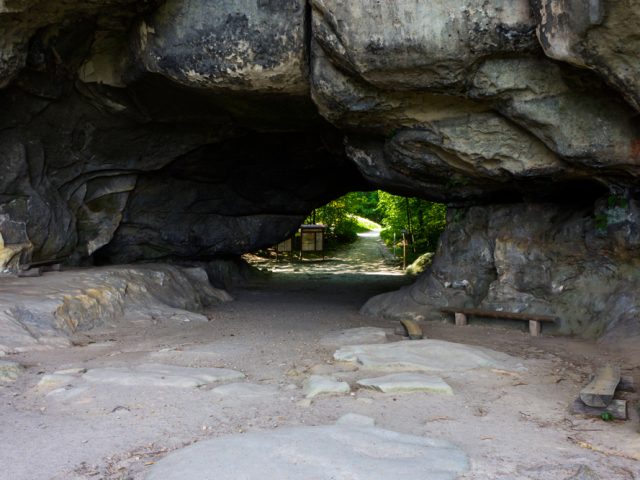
499, 314
600, 390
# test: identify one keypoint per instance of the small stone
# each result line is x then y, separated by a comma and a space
304, 403
407, 382
9, 371
356, 420
323, 385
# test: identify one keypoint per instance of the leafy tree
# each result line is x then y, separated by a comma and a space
341, 226
422, 220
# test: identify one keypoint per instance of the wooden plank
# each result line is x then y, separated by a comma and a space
599, 392
413, 329
461, 319
500, 314
534, 328
617, 409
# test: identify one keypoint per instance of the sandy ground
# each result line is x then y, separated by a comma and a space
512, 425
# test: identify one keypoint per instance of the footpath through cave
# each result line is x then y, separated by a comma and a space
172, 397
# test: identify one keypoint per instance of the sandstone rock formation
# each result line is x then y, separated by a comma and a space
550, 259
146, 130
47, 311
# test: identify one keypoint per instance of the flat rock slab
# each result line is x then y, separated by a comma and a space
407, 382
355, 336
345, 451
9, 371
426, 356
41, 313
246, 390
156, 375
202, 355
56, 380
323, 385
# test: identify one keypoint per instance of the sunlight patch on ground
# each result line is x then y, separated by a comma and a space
368, 255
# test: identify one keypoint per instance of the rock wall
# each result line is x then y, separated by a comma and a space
151, 130
46, 312
578, 262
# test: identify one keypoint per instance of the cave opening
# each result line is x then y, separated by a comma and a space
147, 146
363, 229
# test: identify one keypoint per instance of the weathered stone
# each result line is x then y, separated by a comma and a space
324, 385
355, 336
143, 130
356, 420
68, 393
597, 128
42, 312
584, 473
19, 25
339, 451
156, 375
9, 371
407, 382
533, 258
246, 390
246, 45
405, 45
426, 356
598, 34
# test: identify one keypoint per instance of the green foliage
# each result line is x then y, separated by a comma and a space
606, 416
422, 220
336, 215
615, 201
358, 212
364, 204
365, 225
601, 222
420, 264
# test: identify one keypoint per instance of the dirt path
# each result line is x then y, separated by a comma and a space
511, 425
366, 256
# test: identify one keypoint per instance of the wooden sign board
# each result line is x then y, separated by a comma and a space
312, 238
312, 241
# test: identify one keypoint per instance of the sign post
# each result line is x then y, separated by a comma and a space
312, 239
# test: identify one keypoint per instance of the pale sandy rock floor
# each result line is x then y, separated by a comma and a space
510, 424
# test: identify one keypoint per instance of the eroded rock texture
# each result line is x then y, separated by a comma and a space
147, 130
553, 259
183, 131
44, 312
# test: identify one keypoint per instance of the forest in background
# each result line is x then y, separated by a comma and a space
421, 220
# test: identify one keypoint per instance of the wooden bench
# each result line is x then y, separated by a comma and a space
535, 321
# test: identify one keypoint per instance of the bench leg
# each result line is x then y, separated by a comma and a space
461, 319
534, 328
